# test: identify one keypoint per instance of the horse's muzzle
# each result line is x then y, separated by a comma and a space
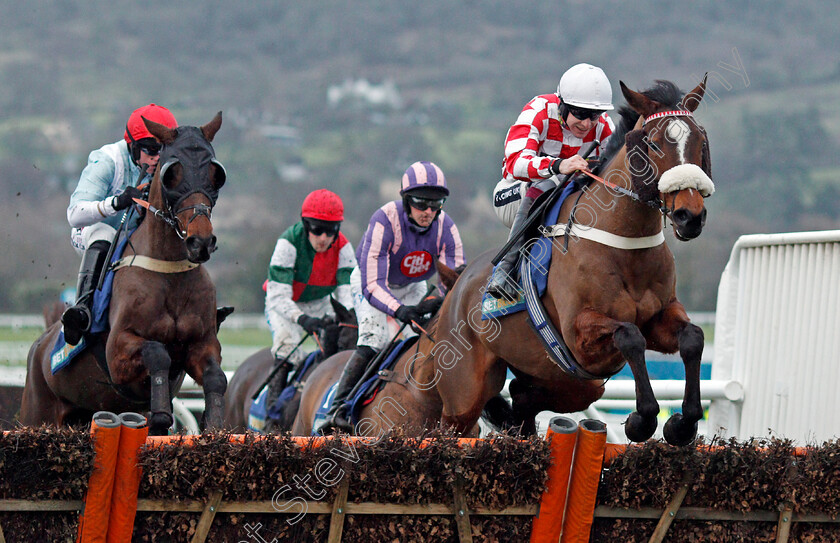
199, 248
688, 225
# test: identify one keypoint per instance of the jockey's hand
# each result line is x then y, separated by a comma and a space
124, 199
311, 324
408, 313
569, 165
430, 305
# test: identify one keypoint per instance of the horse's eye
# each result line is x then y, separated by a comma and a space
171, 177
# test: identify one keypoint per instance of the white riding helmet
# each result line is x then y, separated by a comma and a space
584, 85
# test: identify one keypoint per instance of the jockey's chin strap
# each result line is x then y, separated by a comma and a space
171, 218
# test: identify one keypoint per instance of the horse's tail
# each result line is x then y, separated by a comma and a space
52, 312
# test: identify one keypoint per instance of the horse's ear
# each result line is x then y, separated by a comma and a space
344, 314
209, 130
691, 100
448, 276
640, 103
163, 133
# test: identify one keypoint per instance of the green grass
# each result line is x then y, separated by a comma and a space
245, 337
20, 334
249, 336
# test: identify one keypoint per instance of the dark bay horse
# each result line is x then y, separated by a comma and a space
403, 398
611, 294
252, 372
162, 314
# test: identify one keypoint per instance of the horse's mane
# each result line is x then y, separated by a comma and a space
663, 92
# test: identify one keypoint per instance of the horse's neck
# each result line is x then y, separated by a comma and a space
615, 212
155, 238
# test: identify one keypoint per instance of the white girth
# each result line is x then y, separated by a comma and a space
606, 238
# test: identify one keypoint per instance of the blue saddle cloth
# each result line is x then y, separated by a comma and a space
62, 354
366, 391
539, 259
264, 408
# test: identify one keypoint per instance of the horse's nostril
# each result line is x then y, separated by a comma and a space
681, 216
193, 244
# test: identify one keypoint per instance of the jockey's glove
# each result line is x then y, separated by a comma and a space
408, 313
124, 199
310, 324
430, 305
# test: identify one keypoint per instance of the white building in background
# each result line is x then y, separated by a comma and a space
361, 91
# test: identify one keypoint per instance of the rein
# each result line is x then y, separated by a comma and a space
171, 218
661, 208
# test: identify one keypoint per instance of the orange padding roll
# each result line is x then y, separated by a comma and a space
93, 522
561, 437
127, 478
583, 486
614, 450
314, 441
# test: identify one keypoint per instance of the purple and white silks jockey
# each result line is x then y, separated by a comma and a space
395, 253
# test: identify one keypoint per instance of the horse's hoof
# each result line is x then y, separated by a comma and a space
677, 432
160, 423
638, 428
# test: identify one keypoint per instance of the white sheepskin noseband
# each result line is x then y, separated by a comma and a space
686, 176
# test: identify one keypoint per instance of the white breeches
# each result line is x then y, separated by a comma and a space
375, 327
81, 238
285, 334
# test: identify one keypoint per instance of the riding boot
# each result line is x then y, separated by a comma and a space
77, 319
276, 387
353, 371
280, 381
503, 282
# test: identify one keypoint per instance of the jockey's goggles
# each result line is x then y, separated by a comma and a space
422, 204
318, 228
582, 113
151, 148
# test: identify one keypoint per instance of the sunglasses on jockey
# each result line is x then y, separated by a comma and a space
583, 113
422, 204
318, 228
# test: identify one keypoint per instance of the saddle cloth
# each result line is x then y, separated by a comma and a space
539, 259
262, 409
367, 391
62, 354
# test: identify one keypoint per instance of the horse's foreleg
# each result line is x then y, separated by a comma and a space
681, 428
523, 397
215, 384
641, 424
670, 332
158, 362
